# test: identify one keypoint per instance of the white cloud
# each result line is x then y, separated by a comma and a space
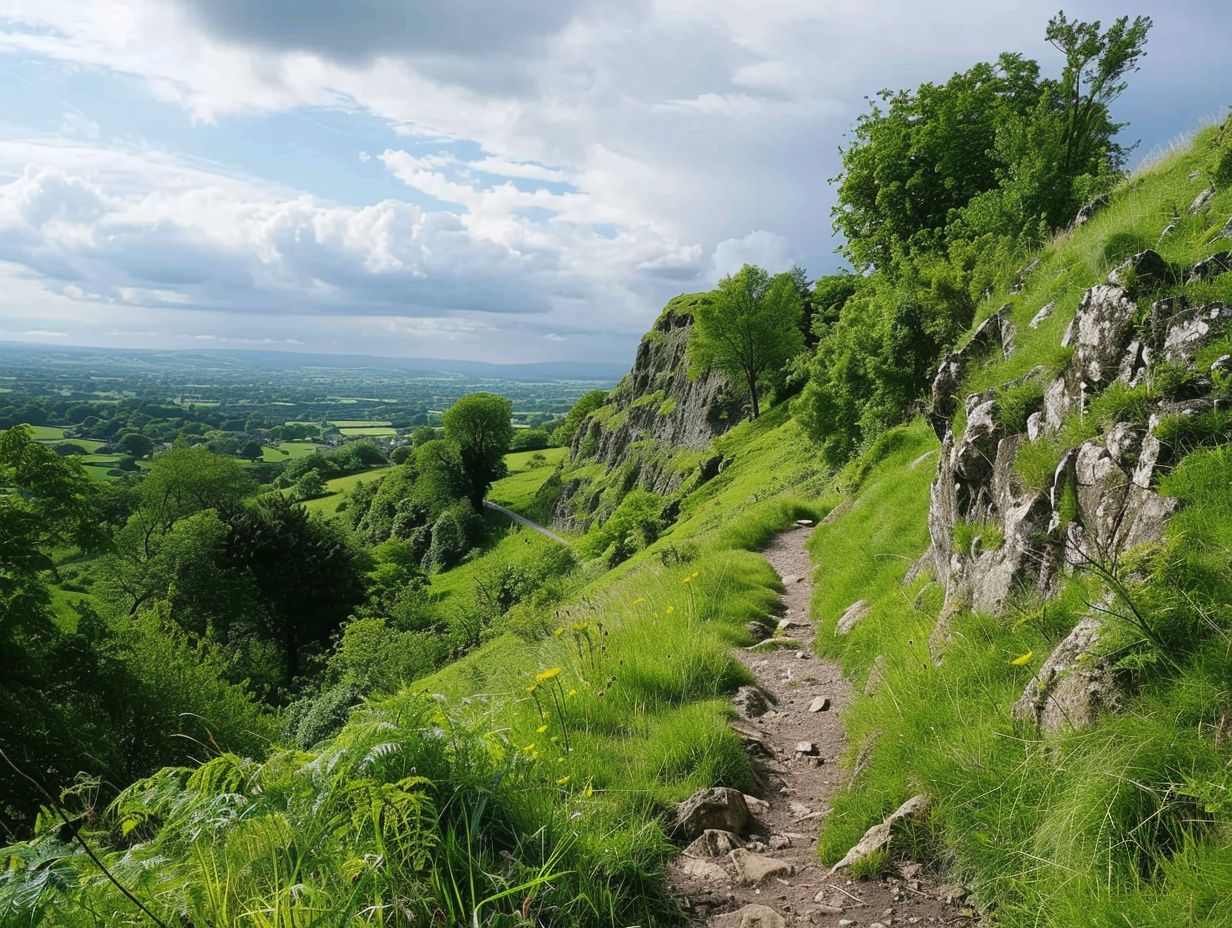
765, 249
606, 154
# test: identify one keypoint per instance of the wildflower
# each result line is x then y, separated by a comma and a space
1022, 658
669, 610
571, 693
550, 674
588, 791
561, 781
530, 748
541, 729
558, 631
639, 600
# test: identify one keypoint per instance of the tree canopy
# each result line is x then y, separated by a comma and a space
749, 329
481, 427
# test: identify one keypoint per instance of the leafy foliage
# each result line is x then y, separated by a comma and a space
749, 330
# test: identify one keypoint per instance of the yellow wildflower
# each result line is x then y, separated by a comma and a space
1022, 658
550, 674
669, 610
530, 748
561, 781
541, 729
559, 630
571, 693
639, 600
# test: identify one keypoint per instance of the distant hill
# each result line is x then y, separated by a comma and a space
598, 371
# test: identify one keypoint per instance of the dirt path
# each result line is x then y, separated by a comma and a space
798, 787
522, 520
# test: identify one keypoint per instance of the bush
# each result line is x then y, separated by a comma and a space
633, 525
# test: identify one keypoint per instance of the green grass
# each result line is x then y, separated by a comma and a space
371, 431
336, 489
47, 432
518, 490
517, 461
288, 451
358, 423
573, 776
1125, 822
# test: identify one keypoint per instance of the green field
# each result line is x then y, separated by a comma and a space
287, 451
370, 430
517, 491
520, 460
328, 505
47, 432
358, 423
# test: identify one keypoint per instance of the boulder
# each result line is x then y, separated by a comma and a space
851, 617
1191, 329
1042, 316
819, 704
1225, 232
752, 868
713, 842
1201, 200
1020, 279
701, 869
1072, 688
752, 701
995, 332
1088, 210
1145, 269
718, 808
1210, 268
1101, 331
878, 837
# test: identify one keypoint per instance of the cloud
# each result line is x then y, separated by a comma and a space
765, 249
218, 243
554, 337
565, 165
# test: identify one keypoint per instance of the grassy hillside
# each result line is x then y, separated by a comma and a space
531, 776
1125, 822
530, 781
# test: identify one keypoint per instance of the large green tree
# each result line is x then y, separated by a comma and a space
308, 574
481, 427
749, 329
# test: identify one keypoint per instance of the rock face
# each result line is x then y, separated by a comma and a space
718, 808
1073, 686
1102, 497
659, 404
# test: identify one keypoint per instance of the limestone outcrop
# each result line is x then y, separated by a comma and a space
658, 406
994, 533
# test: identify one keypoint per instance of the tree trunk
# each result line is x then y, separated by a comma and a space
752, 380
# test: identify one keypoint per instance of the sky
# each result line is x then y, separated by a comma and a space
473, 179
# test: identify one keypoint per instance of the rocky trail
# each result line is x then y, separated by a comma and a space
751, 862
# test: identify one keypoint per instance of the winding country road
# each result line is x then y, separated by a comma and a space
522, 520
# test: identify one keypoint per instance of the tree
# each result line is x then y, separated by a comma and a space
749, 329
46, 502
309, 485
135, 444
252, 450
307, 572
1095, 67
185, 480
917, 155
481, 427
